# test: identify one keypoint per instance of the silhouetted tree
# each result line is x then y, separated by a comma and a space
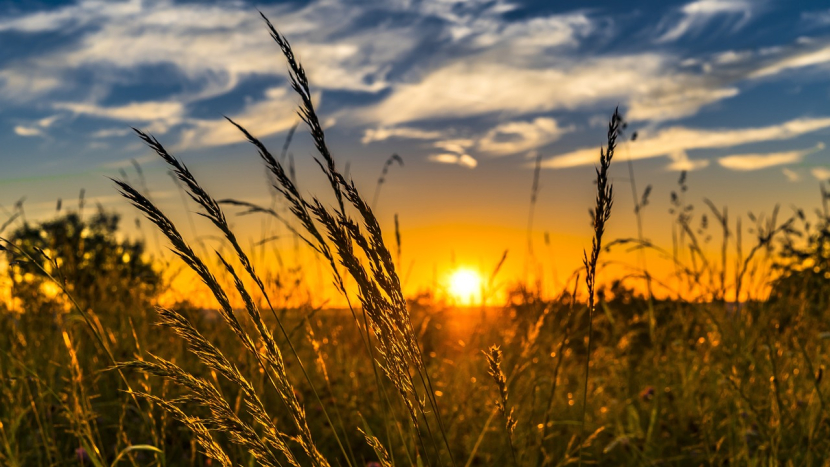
102, 272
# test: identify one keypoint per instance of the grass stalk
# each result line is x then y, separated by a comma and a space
601, 213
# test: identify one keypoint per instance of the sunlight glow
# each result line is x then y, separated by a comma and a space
465, 286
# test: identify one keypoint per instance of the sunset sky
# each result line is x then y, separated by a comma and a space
468, 93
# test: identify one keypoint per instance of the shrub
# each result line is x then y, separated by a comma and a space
97, 268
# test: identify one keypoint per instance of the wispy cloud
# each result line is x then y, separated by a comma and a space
36, 128
816, 17
464, 160
654, 86
673, 140
511, 73
24, 83
791, 175
27, 131
279, 107
680, 161
456, 153
210, 51
513, 137
483, 87
693, 17
745, 162
110, 132
167, 111
212, 45
809, 56
383, 133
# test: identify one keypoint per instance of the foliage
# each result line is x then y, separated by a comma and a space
804, 265
87, 257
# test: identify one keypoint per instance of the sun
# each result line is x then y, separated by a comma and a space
465, 286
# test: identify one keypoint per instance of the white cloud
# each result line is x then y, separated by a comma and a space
382, 134
680, 161
694, 16
672, 99
513, 137
820, 173
531, 36
279, 107
674, 139
459, 145
744, 162
166, 111
46, 122
215, 47
111, 132
654, 86
27, 131
158, 117
38, 127
456, 153
794, 60
86, 12
464, 160
25, 82
511, 69
472, 88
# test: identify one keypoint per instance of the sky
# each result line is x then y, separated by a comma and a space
468, 93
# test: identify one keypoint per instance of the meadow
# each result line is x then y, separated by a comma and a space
720, 364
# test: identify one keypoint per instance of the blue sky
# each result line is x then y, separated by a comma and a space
468, 92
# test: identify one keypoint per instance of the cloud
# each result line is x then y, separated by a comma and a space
456, 153
25, 83
654, 86
816, 18
159, 117
481, 87
694, 16
791, 175
27, 131
38, 127
513, 137
486, 64
464, 160
166, 111
110, 132
212, 46
154, 116
820, 173
459, 145
279, 107
481, 24
745, 162
680, 161
797, 59
71, 16
382, 134
674, 139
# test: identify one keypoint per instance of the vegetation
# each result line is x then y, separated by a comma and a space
86, 257
714, 374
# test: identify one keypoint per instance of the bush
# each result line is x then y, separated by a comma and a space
101, 272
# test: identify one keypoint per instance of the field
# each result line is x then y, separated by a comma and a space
724, 366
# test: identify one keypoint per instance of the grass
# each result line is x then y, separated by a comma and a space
617, 379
